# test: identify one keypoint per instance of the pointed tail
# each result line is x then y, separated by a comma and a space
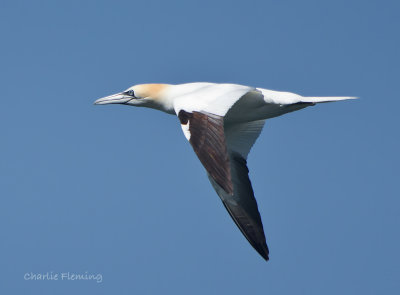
325, 99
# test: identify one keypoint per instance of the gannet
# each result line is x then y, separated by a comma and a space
222, 122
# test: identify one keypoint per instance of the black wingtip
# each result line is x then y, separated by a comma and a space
264, 255
262, 250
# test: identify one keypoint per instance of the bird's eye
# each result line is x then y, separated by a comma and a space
130, 93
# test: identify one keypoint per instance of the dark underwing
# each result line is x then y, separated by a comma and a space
208, 141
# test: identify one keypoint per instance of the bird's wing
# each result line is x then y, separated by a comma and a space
242, 205
223, 151
211, 98
201, 113
205, 133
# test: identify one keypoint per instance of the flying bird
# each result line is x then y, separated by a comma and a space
222, 122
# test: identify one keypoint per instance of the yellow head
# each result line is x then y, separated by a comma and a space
145, 95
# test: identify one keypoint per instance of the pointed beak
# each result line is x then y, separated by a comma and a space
115, 98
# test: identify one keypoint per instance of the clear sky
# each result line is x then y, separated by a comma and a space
118, 191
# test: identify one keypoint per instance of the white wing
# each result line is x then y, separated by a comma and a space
241, 137
210, 98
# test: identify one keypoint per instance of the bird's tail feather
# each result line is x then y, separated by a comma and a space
325, 99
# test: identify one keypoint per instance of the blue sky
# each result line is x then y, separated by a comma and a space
118, 191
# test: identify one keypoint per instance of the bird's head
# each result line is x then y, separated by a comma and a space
146, 95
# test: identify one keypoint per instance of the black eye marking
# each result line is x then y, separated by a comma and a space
130, 93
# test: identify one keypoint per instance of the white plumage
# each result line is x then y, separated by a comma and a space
222, 122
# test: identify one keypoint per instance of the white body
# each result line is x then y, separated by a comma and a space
222, 122
244, 103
